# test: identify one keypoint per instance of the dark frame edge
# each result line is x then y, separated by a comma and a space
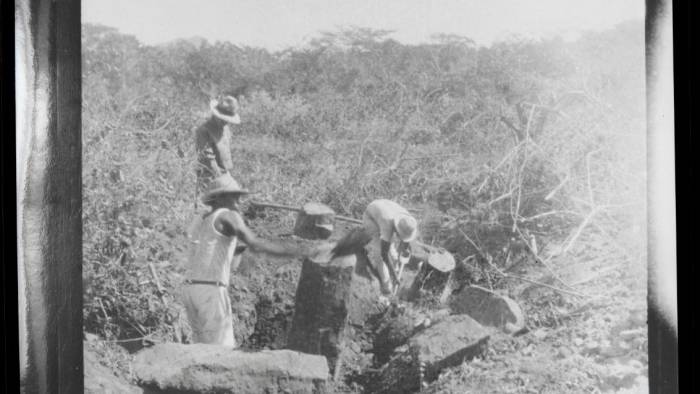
49, 196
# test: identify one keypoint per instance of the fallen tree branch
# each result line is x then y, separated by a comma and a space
478, 249
102, 308
145, 337
548, 213
362, 147
505, 275
518, 133
603, 272
161, 291
534, 282
580, 228
497, 199
542, 261
431, 156
556, 189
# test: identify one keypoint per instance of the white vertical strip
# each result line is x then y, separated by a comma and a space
24, 70
662, 203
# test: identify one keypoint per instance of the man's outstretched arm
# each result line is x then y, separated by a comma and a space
231, 224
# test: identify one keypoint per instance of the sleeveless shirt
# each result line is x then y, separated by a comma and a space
211, 253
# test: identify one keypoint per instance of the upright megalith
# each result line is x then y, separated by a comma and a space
324, 297
315, 221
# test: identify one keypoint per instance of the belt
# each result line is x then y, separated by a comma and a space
206, 282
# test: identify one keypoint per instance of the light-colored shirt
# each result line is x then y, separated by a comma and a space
379, 218
213, 145
211, 253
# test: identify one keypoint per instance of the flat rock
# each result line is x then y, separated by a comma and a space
488, 308
203, 368
448, 343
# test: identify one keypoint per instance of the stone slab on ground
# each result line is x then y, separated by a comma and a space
447, 343
488, 308
98, 379
203, 368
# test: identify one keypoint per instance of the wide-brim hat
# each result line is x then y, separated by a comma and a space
223, 184
406, 228
231, 103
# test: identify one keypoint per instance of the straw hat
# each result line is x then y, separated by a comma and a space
406, 227
223, 184
228, 106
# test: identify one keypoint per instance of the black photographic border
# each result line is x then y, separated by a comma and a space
49, 197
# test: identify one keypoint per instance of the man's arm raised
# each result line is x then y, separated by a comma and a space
234, 119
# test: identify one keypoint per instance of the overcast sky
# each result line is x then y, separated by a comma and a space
276, 24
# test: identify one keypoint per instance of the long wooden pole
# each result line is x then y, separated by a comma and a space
295, 209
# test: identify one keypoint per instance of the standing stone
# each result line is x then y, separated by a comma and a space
315, 221
321, 305
488, 308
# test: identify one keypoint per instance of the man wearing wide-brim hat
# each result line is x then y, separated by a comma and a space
213, 140
393, 227
214, 239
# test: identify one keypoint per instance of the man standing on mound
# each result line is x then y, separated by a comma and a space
214, 238
213, 141
388, 222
